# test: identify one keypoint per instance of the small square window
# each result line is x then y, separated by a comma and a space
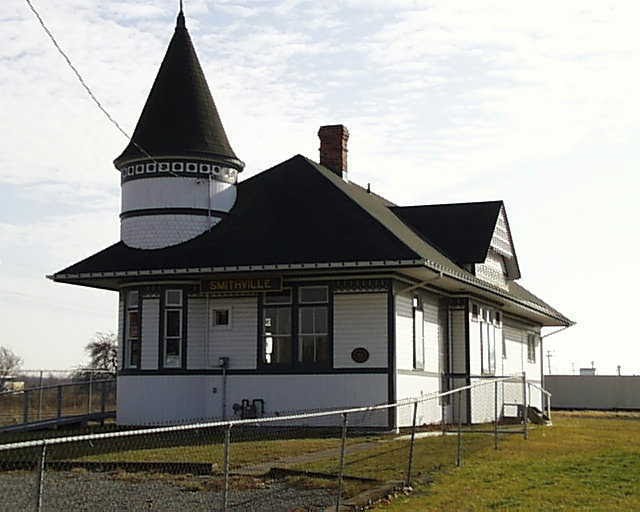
132, 299
129, 171
310, 294
164, 166
177, 167
191, 167
498, 317
173, 298
222, 318
216, 169
205, 168
140, 169
151, 168
475, 312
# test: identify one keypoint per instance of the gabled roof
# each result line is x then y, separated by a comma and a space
180, 117
462, 231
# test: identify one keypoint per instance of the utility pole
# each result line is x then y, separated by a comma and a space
548, 362
619, 370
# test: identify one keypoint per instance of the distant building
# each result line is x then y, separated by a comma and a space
587, 371
296, 288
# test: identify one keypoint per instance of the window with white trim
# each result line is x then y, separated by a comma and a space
418, 334
313, 326
488, 320
132, 330
277, 342
172, 329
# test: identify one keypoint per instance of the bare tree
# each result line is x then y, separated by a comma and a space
10, 362
103, 352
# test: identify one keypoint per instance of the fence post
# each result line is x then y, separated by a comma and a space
89, 399
443, 412
25, 406
40, 467
225, 493
40, 397
549, 407
59, 407
525, 406
413, 442
495, 413
459, 454
341, 470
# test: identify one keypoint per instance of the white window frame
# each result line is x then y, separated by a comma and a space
418, 334
316, 333
532, 342
129, 308
171, 307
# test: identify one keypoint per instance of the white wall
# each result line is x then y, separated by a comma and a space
150, 334
196, 333
240, 341
360, 320
606, 392
414, 386
179, 398
155, 231
120, 330
404, 332
177, 193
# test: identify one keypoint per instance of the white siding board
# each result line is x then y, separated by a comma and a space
360, 320
150, 334
432, 347
239, 342
120, 331
404, 332
196, 333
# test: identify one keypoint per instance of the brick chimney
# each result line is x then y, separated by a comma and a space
333, 148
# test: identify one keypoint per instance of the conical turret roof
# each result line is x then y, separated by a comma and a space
180, 118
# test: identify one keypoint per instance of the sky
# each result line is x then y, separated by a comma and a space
533, 103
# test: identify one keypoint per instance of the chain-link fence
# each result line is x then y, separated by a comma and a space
50, 395
317, 460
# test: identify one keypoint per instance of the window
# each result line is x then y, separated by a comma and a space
531, 347
313, 339
222, 318
418, 334
487, 342
295, 328
311, 294
276, 324
475, 312
313, 326
172, 329
132, 330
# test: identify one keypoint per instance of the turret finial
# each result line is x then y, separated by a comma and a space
181, 22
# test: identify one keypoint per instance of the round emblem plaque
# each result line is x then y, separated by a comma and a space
360, 355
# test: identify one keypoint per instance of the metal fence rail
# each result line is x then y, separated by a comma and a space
310, 460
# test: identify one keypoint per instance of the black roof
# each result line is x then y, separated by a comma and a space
299, 212
180, 117
462, 231
290, 213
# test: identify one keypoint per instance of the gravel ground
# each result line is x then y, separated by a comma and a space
92, 492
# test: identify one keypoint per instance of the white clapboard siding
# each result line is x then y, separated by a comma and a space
515, 343
197, 333
458, 326
360, 320
150, 334
238, 342
431, 334
404, 332
475, 347
120, 331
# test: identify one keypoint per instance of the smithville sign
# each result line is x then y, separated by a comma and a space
262, 284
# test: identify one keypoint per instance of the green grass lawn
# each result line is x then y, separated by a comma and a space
587, 462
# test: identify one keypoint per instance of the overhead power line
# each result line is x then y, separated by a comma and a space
82, 81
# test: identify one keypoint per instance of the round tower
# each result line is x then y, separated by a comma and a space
178, 173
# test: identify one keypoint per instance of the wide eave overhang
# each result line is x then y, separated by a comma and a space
425, 273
